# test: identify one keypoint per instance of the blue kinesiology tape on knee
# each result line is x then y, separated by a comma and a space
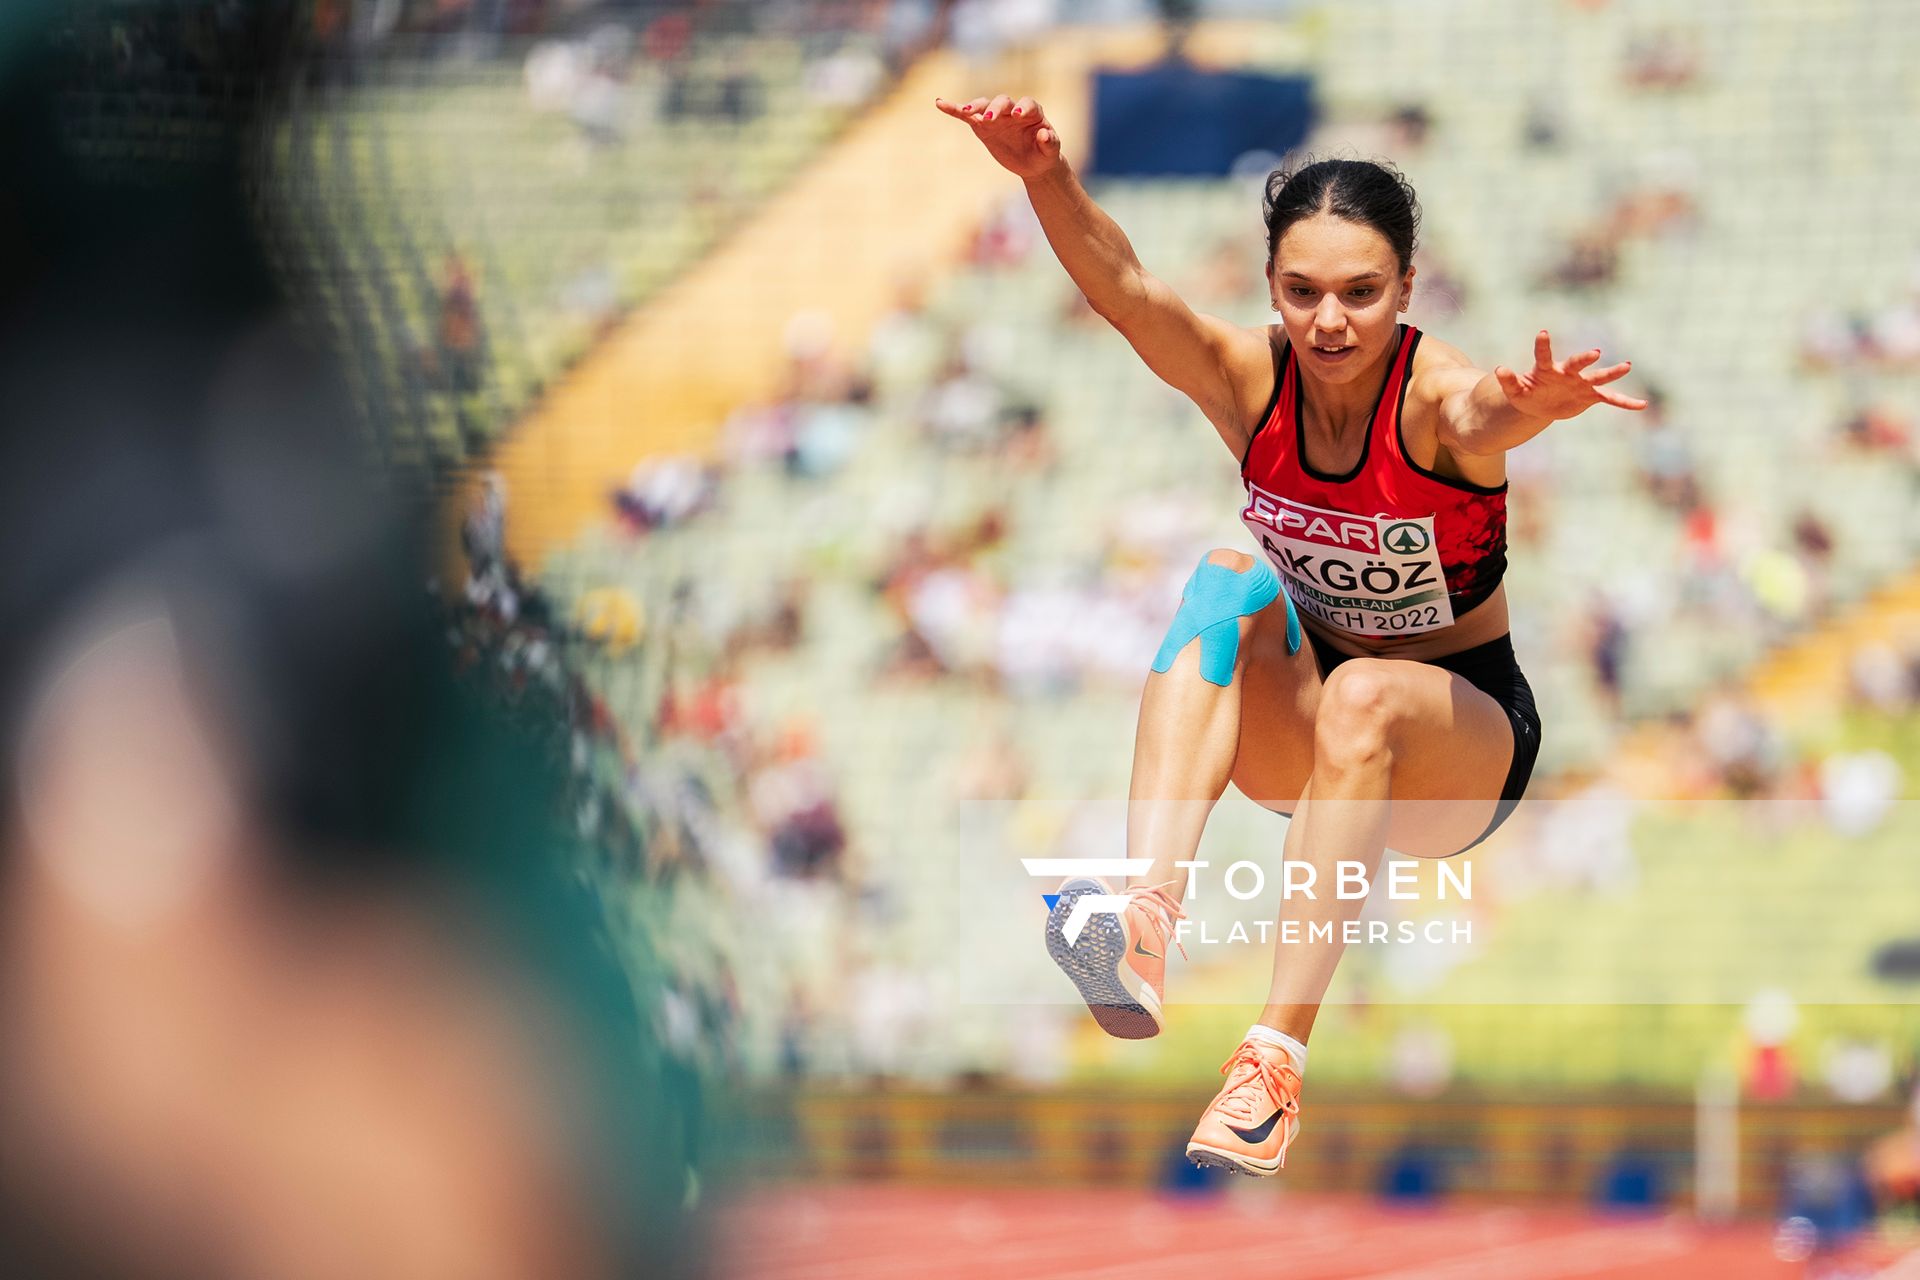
1215, 600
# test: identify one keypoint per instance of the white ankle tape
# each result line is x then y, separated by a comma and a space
1267, 1035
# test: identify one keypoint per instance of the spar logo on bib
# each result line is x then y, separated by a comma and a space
1405, 538
1370, 575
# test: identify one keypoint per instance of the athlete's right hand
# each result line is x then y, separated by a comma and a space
1016, 133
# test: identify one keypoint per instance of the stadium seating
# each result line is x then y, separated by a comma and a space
568, 194
1709, 308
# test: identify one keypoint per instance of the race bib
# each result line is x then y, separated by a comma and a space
1370, 575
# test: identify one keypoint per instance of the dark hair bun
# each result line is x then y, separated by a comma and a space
1372, 193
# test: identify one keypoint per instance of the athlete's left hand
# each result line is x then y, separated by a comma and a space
1564, 388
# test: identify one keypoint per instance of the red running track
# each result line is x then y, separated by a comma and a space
1253, 1230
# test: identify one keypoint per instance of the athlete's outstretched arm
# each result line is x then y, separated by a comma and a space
1223, 368
1487, 413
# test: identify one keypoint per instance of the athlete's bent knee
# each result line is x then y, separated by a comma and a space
1353, 725
1228, 558
1225, 587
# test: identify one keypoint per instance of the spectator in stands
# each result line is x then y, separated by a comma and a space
1027, 445
483, 535
1780, 585
1889, 338
1857, 790
1879, 679
758, 433
741, 98
677, 1028
1176, 26
598, 102
665, 491
797, 1017
1813, 544
1036, 648
592, 294
781, 629
1545, 123
912, 27
912, 556
815, 369
1910, 654
1856, 1069
911, 657
1706, 567
954, 609
1835, 339
1077, 313
1893, 1162
906, 343
1742, 748
1585, 842
947, 607
889, 1015
792, 800
1665, 58
1420, 1061
1531, 499
1605, 642
1445, 295
1878, 428
461, 353
826, 433
733, 96
1221, 282
986, 31
669, 37
1663, 462
704, 708
1769, 1073
1658, 198
1591, 260
1005, 239
963, 410
1408, 128
1896, 336
993, 771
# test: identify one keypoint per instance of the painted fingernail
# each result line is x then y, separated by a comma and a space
989, 115
1017, 111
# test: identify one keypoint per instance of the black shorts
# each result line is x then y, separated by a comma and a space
1493, 670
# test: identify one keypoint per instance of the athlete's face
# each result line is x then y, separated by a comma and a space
1339, 289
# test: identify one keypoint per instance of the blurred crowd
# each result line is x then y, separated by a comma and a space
744, 798
1886, 338
933, 389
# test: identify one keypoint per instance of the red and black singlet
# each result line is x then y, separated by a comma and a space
1388, 549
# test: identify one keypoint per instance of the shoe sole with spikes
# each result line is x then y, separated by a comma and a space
1124, 1006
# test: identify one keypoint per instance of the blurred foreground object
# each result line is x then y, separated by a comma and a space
298, 976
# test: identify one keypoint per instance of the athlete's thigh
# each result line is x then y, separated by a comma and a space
1278, 697
1452, 746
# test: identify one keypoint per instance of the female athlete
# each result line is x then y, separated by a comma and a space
1372, 457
